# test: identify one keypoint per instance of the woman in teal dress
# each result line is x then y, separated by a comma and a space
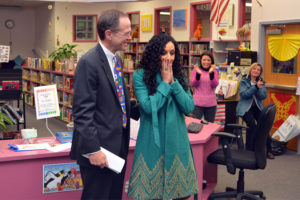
163, 165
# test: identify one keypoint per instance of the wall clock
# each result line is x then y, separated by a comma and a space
9, 23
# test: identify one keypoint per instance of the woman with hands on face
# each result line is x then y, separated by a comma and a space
205, 79
163, 165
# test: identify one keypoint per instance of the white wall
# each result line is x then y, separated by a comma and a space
45, 27
64, 25
275, 10
23, 34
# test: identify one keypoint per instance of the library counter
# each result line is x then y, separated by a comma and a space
22, 172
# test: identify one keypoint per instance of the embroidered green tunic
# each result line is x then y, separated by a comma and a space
163, 166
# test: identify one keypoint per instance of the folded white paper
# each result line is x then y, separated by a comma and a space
60, 147
115, 163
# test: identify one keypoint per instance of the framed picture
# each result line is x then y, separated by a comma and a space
180, 18
146, 24
61, 177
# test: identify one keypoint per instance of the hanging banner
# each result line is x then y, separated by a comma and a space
285, 106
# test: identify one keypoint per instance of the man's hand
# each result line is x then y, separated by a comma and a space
98, 159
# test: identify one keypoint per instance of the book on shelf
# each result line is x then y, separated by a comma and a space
68, 99
15, 113
126, 78
60, 96
59, 82
68, 85
9, 115
67, 114
44, 78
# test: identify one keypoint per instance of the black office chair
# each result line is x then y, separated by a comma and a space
240, 158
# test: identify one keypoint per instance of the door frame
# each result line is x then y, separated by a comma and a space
261, 52
261, 44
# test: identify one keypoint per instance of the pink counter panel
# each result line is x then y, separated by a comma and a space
22, 172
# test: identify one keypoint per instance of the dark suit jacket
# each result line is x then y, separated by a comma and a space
97, 112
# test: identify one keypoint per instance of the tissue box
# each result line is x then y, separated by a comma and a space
29, 133
64, 137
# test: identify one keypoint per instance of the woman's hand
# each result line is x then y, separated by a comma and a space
197, 69
166, 71
260, 84
212, 68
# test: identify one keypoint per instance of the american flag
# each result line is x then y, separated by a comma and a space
217, 9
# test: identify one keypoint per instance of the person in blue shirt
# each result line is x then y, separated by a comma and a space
252, 93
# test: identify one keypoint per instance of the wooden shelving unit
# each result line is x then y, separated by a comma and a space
39, 72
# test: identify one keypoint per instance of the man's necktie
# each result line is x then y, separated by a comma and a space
119, 86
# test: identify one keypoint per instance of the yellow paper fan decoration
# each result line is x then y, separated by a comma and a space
284, 47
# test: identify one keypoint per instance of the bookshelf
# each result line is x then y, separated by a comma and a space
221, 48
190, 52
39, 72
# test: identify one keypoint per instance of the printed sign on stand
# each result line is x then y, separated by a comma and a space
4, 53
46, 101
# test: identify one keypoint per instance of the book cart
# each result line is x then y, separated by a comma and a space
13, 95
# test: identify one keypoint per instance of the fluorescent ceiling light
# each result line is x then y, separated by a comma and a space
249, 4
164, 13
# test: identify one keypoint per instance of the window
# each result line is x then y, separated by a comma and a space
245, 12
135, 25
163, 20
84, 28
285, 67
200, 14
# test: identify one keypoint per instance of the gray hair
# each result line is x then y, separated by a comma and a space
109, 20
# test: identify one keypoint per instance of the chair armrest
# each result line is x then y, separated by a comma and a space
237, 130
224, 139
237, 126
135, 109
224, 134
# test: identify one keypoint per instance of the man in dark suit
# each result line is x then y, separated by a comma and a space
98, 115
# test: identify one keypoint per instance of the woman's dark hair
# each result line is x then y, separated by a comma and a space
109, 20
207, 53
151, 62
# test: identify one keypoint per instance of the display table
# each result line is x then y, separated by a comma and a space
22, 172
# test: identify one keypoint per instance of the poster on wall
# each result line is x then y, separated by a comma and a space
61, 178
285, 106
228, 15
179, 18
223, 29
4, 53
46, 101
146, 23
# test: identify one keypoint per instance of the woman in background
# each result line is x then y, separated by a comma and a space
252, 93
163, 166
205, 79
